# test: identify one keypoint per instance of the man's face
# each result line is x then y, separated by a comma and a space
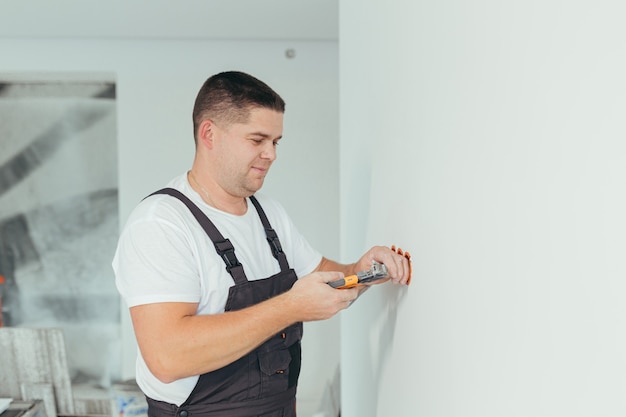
245, 151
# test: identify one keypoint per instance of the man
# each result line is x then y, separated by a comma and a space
210, 272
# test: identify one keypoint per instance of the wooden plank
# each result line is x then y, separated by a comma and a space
92, 407
90, 400
43, 392
35, 356
8, 366
59, 370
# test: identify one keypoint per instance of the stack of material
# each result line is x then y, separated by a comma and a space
33, 365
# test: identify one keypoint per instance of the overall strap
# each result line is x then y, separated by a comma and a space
223, 246
272, 237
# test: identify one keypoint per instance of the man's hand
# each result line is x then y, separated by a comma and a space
316, 300
398, 265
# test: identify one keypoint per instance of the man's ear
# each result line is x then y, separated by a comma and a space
206, 132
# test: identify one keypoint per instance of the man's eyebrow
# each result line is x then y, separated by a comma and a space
264, 135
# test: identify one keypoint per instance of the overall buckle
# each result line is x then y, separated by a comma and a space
226, 250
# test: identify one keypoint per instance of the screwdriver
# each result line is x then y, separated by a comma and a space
376, 272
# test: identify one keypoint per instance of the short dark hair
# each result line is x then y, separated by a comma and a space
229, 96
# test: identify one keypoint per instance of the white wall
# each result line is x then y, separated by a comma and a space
164, 19
488, 139
157, 81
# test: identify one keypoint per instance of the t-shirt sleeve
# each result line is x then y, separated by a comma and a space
305, 257
153, 264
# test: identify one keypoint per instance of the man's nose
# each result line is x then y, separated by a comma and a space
269, 151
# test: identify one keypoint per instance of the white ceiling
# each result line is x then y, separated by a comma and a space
215, 19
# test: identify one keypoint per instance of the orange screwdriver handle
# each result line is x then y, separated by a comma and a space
346, 282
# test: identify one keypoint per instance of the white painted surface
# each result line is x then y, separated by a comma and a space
488, 139
165, 19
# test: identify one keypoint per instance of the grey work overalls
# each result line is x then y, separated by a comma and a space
263, 382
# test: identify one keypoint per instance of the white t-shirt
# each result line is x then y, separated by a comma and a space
164, 255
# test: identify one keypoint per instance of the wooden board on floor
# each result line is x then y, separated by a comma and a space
25, 409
